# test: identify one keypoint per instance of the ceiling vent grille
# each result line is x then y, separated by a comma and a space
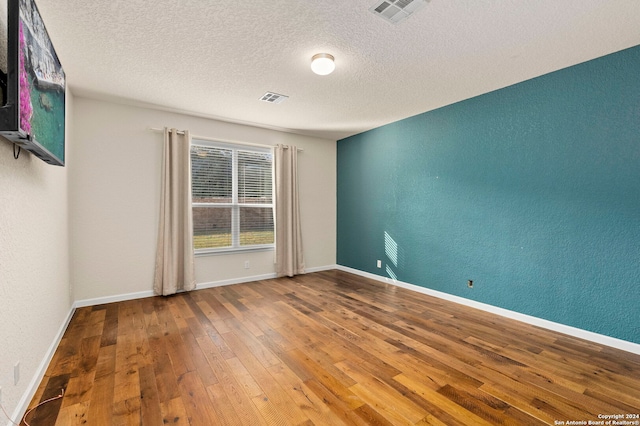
395, 11
273, 98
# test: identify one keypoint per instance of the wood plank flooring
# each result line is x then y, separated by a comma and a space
327, 348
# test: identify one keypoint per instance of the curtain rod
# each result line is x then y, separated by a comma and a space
205, 138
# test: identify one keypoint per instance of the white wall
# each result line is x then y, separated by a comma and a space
115, 192
34, 264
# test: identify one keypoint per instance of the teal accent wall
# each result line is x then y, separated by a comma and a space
531, 191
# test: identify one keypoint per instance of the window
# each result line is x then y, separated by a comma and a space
232, 197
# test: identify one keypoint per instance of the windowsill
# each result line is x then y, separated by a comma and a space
216, 252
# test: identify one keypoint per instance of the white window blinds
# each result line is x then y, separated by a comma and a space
232, 196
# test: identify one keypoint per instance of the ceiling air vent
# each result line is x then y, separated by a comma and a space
273, 98
395, 11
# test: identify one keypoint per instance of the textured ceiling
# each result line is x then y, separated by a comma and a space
217, 58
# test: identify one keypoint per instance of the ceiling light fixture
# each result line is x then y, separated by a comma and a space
322, 64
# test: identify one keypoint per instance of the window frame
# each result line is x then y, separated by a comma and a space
235, 205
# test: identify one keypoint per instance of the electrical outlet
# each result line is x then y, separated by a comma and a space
379, 263
16, 373
470, 283
246, 264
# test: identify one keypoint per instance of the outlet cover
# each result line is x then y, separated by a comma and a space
16, 373
379, 264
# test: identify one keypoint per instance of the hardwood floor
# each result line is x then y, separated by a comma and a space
328, 348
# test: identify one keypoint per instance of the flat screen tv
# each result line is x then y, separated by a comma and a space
33, 113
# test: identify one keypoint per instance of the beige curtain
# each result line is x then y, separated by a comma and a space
174, 255
289, 255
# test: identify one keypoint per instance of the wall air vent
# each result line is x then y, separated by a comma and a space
395, 11
273, 98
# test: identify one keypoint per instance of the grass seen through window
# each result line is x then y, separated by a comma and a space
221, 240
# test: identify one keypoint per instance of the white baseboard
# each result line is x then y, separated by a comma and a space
111, 299
539, 322
149, 293
23, 404
241, 280
232, 281
270, 276
321, 268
